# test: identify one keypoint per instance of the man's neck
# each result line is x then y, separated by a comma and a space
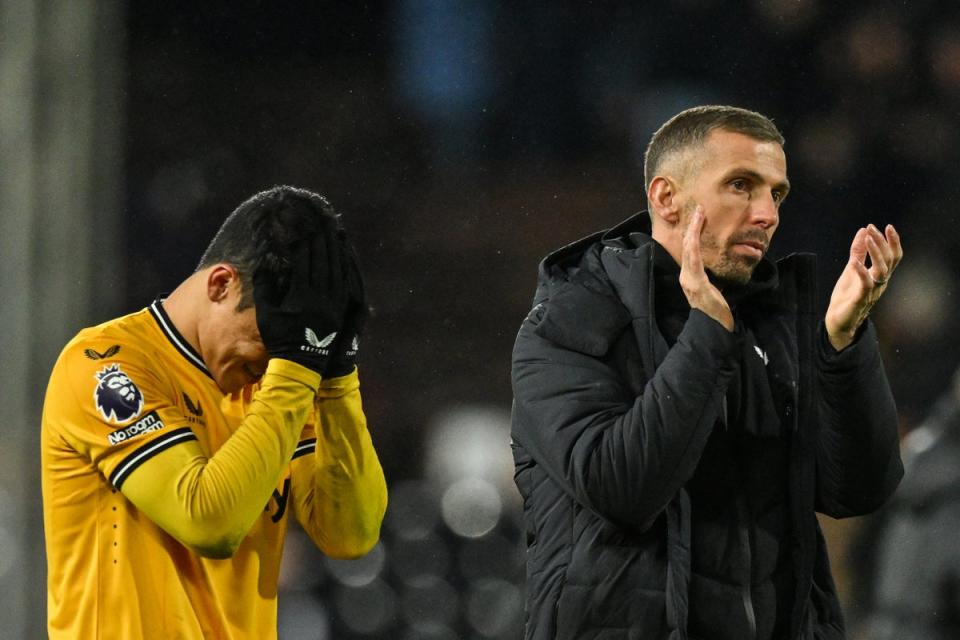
180, 307
671, 240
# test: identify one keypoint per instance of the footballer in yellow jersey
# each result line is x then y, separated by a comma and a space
178, 441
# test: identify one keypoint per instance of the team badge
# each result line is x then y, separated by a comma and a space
118, 398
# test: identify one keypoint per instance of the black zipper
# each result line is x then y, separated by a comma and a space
743, 539
746, 592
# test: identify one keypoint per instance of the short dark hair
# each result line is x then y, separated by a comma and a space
261, 233
691, 127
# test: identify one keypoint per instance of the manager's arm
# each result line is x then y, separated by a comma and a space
858, 453
858, 457
620, 455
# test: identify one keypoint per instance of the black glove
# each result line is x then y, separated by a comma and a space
347, 343
300, 322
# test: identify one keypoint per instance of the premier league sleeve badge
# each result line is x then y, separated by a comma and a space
116, 396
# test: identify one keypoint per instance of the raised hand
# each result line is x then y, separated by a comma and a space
700, 292
859, 287
301, 322
347, 345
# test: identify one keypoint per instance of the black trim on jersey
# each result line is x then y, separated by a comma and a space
147, 451
304, 447
177, 340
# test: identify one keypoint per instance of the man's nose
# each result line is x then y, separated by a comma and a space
764, 211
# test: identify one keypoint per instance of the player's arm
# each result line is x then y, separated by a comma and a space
209, 504
339, 492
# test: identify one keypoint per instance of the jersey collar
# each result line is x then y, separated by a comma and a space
177, 340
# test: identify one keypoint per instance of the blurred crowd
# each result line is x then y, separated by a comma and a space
906, 559
462, 141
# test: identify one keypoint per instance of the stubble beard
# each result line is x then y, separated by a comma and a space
726, 266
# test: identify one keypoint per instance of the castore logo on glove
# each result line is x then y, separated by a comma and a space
315, 344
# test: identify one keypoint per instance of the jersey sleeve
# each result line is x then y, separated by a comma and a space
130, 430
339, 491
113, 411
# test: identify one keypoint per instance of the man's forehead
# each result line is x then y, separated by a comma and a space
722, 150
723, 144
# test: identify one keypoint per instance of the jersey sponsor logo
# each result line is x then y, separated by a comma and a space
195, 409
93, 354
762, 354
147, 424
316, 344
354, 347
314, 341
194, 412
117, 397
281, 500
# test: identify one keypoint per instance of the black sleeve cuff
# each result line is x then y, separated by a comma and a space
853, 353
722, 345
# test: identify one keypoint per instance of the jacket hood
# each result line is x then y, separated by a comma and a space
566, 259
632, 233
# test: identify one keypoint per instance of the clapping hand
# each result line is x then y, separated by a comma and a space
859, 286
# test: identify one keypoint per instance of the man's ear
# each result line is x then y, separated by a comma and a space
219, 279
663, 201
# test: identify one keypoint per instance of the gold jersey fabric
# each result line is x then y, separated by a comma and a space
166, 501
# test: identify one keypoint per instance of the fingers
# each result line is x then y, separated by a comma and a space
858, 255
860, 287
893, 239
858, 248
288, 292
302, 272
866, 279
885, 252
357, 304
884, 249
325, 268
879, 260
355, 279
692, 258
317, 265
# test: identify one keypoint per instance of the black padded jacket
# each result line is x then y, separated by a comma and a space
609, 424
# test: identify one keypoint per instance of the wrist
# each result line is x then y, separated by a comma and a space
722, 316
293, 370
338, 387
840, 340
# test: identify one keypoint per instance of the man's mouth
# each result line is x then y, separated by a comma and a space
751, 246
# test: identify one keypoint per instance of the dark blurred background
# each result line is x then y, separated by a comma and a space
462, 140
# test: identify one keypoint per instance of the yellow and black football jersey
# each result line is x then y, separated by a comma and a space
166, 501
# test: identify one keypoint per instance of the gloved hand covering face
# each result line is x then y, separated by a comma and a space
301, 323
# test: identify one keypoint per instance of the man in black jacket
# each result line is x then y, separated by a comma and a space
681, 412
